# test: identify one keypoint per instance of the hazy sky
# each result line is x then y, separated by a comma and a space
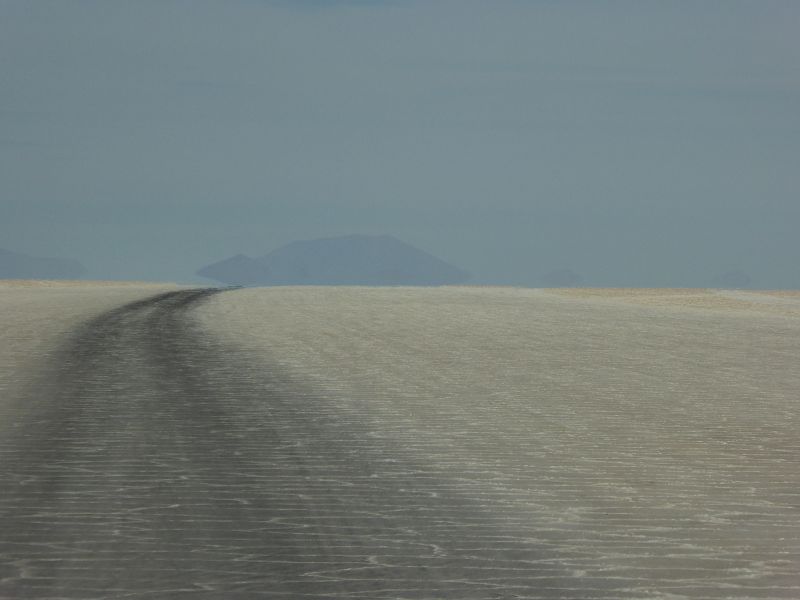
637, 143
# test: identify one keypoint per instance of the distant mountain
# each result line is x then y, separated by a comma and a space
21, 266
237, 270
346, 260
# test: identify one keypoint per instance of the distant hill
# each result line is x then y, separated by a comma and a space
346, 260
237, 270
21, 266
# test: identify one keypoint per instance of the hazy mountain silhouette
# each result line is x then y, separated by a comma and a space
562, 278
237, 270
346, 260
21, 266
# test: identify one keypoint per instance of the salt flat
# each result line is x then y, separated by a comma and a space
398, 443
651, 436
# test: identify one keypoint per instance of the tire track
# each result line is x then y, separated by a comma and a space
153, 464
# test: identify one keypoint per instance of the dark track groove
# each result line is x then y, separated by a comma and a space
153, 464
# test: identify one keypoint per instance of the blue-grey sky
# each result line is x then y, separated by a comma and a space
641, 142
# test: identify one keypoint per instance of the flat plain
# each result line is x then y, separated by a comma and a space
456, 442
